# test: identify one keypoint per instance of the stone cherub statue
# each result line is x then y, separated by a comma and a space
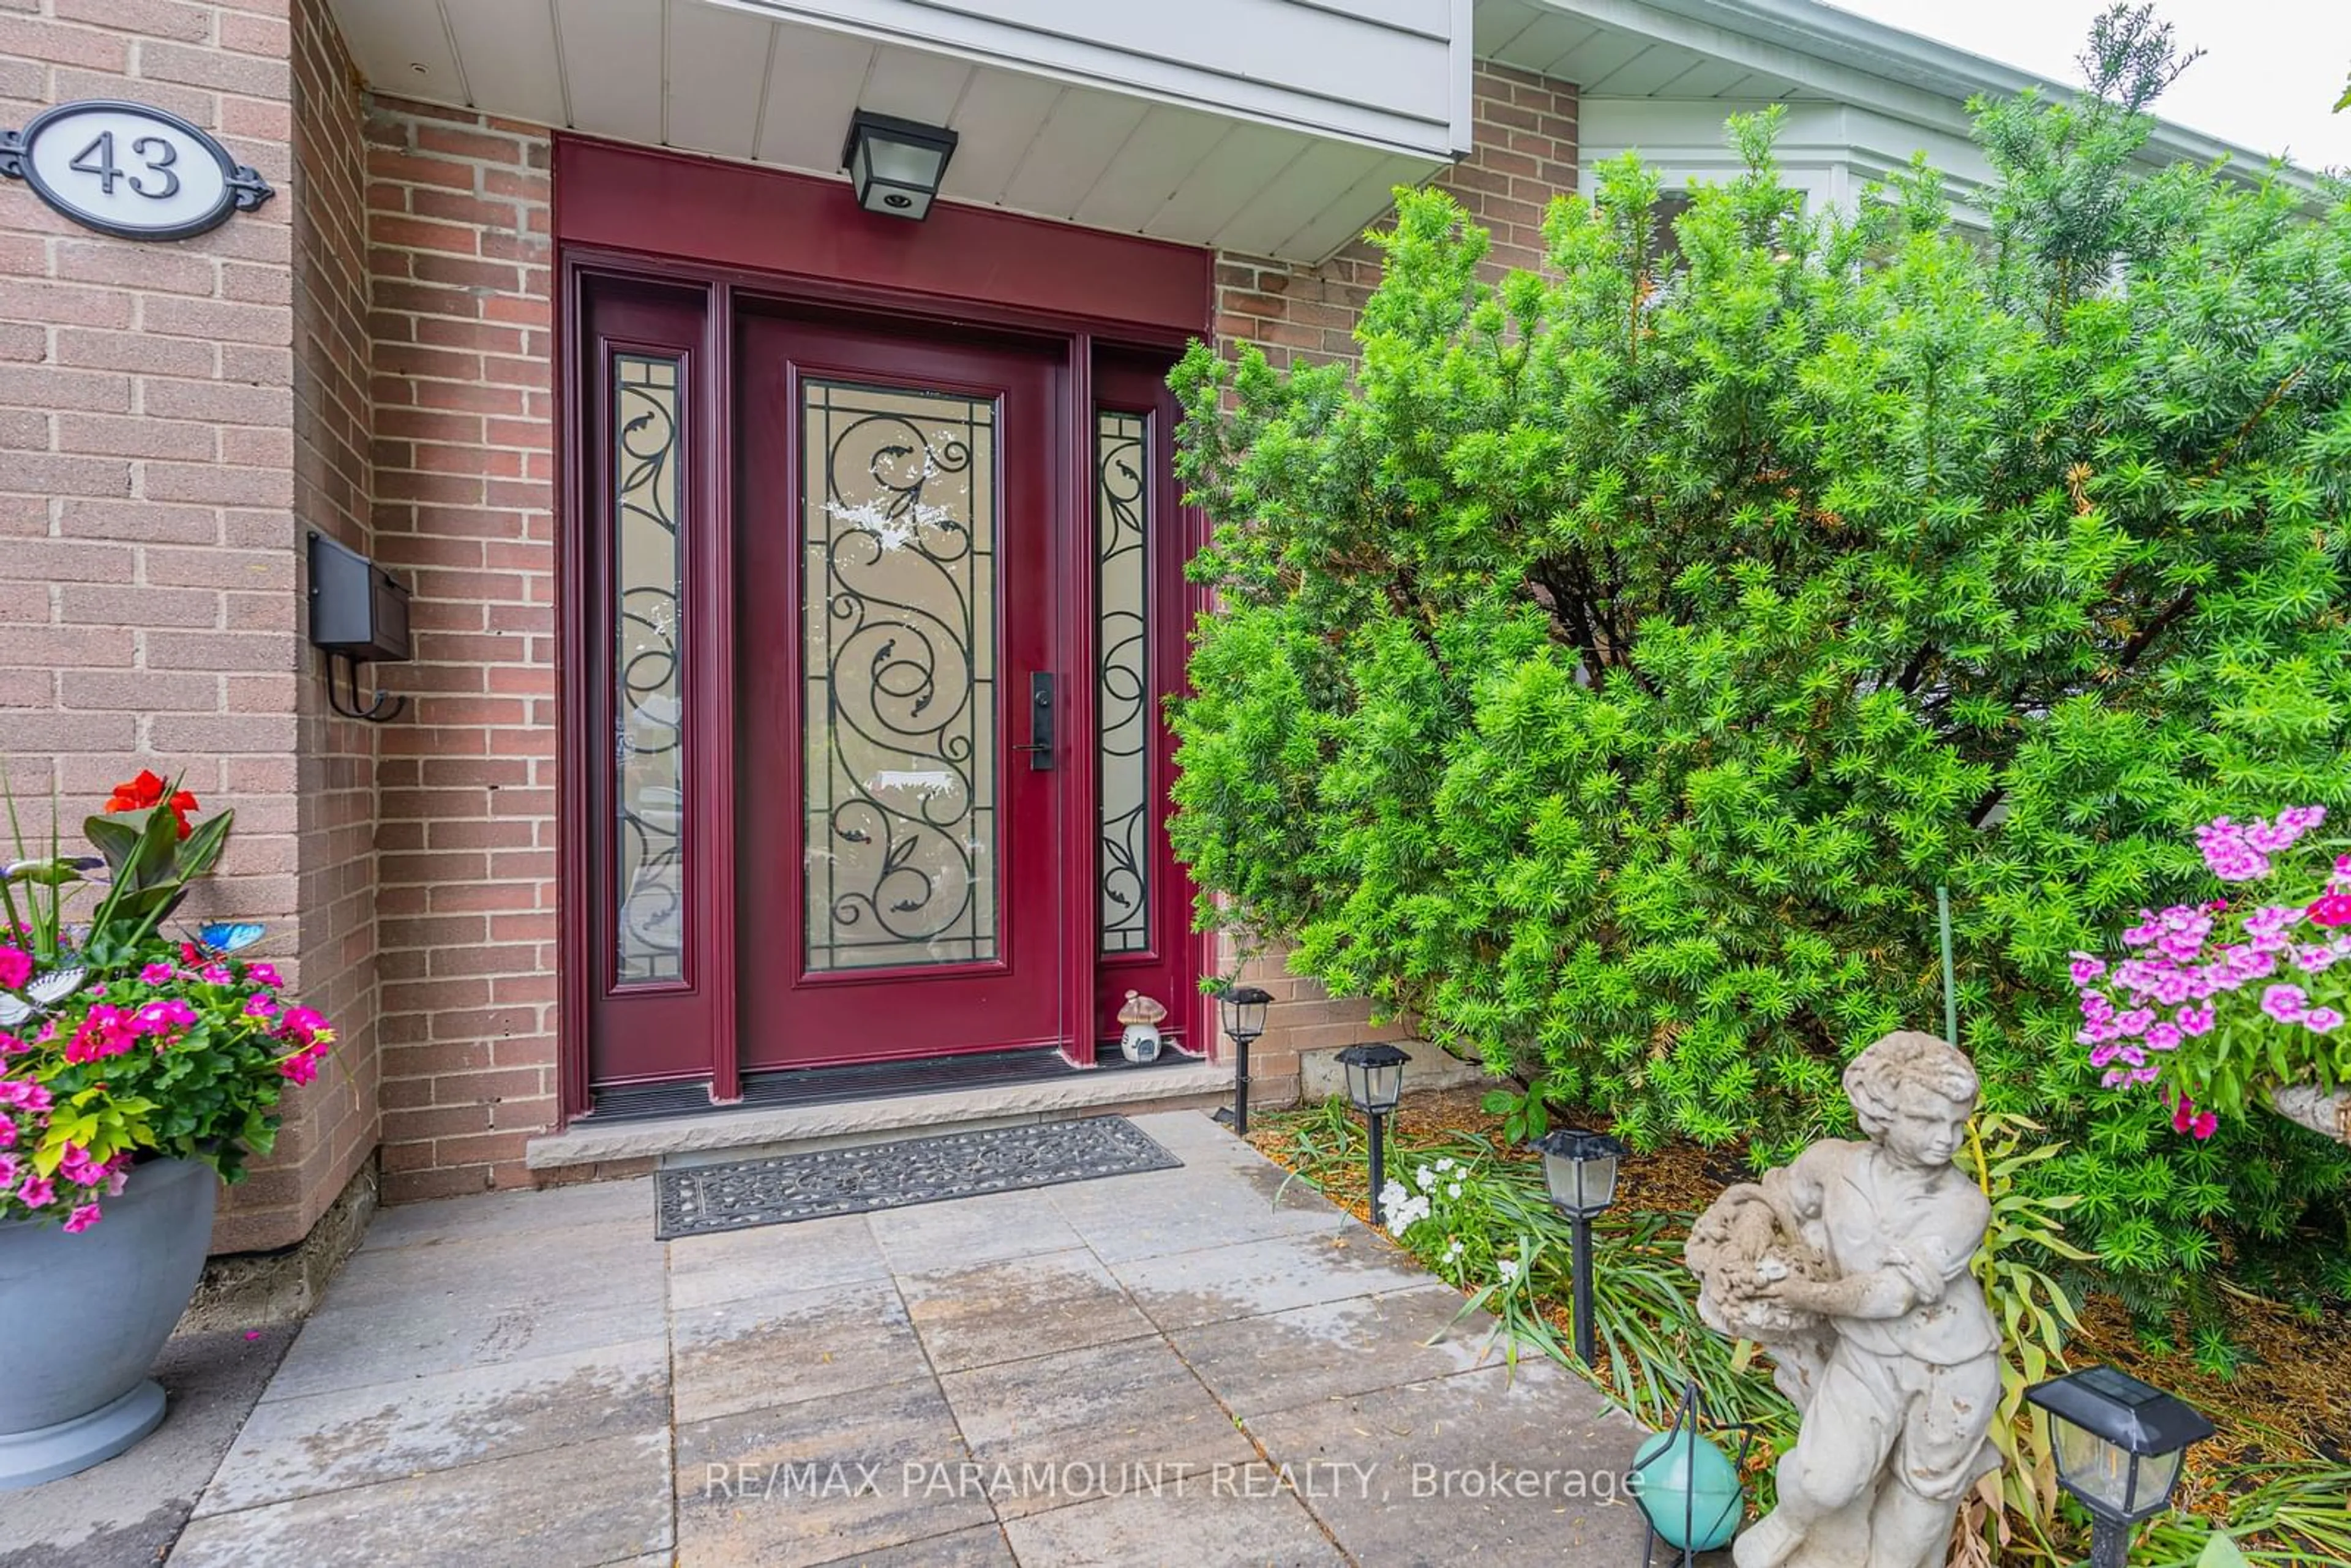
1850, 1265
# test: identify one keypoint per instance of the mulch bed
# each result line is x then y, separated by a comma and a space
2295, 1383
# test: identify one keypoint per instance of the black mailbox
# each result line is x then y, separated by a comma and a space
356, 609
357, 613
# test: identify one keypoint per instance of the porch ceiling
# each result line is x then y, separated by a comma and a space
736, 79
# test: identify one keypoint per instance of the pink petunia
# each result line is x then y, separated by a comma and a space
81, 1219
2284, 1003
35, 1193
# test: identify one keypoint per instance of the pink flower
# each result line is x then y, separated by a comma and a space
156, 974
2321, 1021
2284, 1003
81, 1219
29, 1095
107, 1031
8, 1135
2163, 1037
78, 1167
15, 968
303, 1024
262, 975
302, 1067
2195, 1021
215, 975
10, 1045
2334, 909
2088, 967
35, 1193
162, 1015
260, 1007
2186, 1118
7, 1174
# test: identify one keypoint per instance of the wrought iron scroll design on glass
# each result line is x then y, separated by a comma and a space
1123, 678
898, 626
648, 688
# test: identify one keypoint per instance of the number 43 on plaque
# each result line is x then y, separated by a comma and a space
127, 169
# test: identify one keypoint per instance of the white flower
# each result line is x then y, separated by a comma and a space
1446, 1163
1423, 1178
1453, 1189
1393, 1197
1453, 1251
1507, 1268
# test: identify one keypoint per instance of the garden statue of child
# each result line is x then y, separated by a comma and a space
1852, 1265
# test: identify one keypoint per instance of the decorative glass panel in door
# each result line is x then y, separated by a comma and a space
648, 705
1123, 678
898, 666
900, 877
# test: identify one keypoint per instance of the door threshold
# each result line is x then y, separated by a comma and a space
816, 1117
854, 1080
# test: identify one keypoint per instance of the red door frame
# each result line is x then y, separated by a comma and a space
728, 229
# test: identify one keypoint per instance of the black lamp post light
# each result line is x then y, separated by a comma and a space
1244, 1014
1580, 1169
2119, 1444
1374, 1083
895, 165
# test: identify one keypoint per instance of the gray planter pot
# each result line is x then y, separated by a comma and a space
86, 1316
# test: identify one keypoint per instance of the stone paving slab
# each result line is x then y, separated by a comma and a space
311, 1443
734, 1264
1132, 1406
1313, 1353
802, 1344
1256, 1279
1197, 1367
812, 1481
1524, 1462
1016, 1309
588, 1503
1226, 1529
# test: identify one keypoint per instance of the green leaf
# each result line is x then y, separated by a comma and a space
2221, 1551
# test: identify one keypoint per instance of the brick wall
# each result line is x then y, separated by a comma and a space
1523, 154
333, 1127
459, 251
147, 527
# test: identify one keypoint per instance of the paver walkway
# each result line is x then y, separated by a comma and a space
1170, 1367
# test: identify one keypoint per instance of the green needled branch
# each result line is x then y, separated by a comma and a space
1950, 988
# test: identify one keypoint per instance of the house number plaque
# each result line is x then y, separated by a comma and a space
127, 169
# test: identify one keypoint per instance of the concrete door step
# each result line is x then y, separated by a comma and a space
730, 1135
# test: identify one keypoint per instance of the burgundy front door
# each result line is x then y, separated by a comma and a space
903, 731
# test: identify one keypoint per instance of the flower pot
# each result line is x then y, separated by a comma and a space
86, 1316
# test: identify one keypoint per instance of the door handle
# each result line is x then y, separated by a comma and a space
1041, 723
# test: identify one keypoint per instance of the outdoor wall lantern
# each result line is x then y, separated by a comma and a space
895, 165
1244, 1012
1374, 1083
358, 613
2119, 1443
1580, 1169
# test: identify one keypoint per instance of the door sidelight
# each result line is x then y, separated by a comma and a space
1041, 723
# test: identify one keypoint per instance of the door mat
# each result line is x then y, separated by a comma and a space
703, 1200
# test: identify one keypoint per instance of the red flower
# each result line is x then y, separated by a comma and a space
147, 790
2334, 909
